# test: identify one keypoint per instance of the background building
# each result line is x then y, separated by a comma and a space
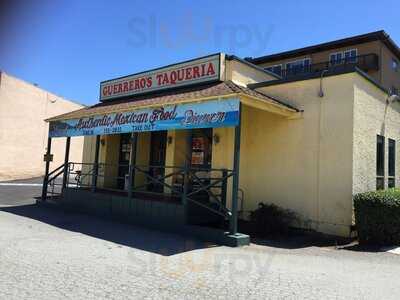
23, 131
375, 53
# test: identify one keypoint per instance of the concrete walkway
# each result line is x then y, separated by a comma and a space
48, 254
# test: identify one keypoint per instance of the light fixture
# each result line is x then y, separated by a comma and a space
216, 138
169, 139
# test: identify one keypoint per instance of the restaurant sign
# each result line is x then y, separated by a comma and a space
215, 113
205, 69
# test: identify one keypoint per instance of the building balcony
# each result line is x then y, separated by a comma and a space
366, 63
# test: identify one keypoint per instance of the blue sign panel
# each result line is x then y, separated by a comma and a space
215, 113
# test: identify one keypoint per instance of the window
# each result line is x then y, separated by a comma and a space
380, 162
298, 66
394, 90
350, 56
392, 163
395, 65
335, 58
277, 69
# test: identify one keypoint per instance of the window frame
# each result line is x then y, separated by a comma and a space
274, 66
349, 51
336, 53
380, 163
391, 163
301, 60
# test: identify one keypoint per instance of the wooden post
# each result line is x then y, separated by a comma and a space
186, 172
224, 187
235, 184
132, 162
66, 159
96, 164
46, 173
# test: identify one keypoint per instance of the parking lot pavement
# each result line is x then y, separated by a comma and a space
19, 192
49, 254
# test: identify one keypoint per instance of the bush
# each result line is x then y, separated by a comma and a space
271, 219
377, 217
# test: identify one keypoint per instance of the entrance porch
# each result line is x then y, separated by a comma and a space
179, 170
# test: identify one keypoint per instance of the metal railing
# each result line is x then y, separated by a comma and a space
54, 182
364, 62
204, 187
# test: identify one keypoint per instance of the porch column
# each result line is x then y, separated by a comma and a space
132, 163
96, 164
66, 160
235, 184
186, 171
46, 173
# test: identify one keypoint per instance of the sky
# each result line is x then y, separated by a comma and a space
68, 47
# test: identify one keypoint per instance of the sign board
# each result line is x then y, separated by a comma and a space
48, 157
205, 69
214, 113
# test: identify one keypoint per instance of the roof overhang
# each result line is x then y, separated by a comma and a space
180, 111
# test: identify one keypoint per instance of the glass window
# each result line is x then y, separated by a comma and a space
298, 66
336, 58
350, 56
275, 69
392, 163
395, 65
380, 162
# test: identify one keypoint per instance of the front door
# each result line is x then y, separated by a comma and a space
201, 156
123, 162
157, 159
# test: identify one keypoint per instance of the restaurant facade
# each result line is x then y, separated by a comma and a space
195, 146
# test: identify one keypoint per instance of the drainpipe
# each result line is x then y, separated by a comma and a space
321, 91
321, 94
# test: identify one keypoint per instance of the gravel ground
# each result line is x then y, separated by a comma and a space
48, 254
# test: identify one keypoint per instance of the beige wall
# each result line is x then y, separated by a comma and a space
243, 74
372, 116
23, 131
304, 164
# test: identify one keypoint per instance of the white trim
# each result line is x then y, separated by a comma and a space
19, 184
349, 50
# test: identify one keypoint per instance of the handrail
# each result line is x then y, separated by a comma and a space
55, 170
365, 61
195, 186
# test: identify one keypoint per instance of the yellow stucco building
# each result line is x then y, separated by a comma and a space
224, 135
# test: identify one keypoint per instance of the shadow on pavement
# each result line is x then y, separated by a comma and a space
124, 234
300, 239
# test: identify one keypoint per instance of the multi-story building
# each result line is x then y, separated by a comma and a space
374, 53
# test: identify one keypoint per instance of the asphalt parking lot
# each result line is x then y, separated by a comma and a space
50, 254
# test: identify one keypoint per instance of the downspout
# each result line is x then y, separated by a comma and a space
320, 120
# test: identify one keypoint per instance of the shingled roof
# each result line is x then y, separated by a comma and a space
215, 90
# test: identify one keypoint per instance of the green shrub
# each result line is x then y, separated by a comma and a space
377, 217
270, 219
